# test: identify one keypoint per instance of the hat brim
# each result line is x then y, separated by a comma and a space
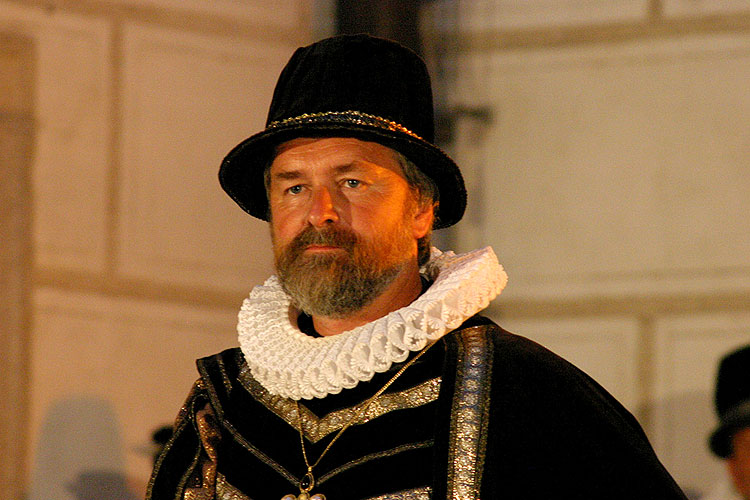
241, 172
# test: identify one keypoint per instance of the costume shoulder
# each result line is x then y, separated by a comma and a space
552, 431
187, 465
220, 374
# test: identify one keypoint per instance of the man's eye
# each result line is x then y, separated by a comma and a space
352, 183
294, 189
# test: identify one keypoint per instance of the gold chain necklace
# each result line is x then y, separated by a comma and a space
307, 483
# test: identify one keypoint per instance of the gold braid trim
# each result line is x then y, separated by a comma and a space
470, 415
316, 428
225, 491
416, 494
375, 456
343, 117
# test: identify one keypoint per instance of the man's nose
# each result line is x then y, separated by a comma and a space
322, 210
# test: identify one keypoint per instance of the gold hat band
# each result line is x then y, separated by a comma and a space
343, 117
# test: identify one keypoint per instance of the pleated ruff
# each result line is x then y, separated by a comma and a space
291, 364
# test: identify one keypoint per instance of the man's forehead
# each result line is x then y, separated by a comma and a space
348, 150
341, 142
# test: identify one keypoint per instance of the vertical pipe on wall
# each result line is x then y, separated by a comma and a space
396, 20
16, 144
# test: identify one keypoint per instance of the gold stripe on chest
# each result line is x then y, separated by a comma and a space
316, 428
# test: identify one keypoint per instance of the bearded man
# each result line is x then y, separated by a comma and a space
364, 369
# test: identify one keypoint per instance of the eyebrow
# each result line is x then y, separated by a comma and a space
296, 174
288, 175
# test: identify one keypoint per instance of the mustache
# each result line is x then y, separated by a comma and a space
331, 236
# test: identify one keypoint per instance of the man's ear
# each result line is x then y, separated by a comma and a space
423, 219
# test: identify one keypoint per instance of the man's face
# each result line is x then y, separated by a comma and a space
344, 222
739, 462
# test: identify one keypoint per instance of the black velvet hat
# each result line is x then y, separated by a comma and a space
349, 86
732, 400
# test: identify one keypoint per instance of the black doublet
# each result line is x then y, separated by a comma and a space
511, 420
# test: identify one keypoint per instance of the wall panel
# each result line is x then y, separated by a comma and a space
129, 361
615, 168
187, 101
688, 349
72, 115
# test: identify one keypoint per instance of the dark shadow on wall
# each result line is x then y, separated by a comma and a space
80, 455
101, 484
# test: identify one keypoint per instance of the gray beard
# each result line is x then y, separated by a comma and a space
339, 284
334, 285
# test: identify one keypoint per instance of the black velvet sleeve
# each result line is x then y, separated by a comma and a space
556, 433
181, 456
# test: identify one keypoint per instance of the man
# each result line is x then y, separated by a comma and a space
364, 370
731, 439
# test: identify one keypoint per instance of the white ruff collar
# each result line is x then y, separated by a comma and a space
292, 364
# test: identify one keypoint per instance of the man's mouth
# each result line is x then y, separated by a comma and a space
320, 248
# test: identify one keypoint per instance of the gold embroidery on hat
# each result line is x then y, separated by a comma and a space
350, 117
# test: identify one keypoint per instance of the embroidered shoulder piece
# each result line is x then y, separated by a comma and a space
316, 428
288, 363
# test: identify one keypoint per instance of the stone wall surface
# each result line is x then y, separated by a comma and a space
604, 145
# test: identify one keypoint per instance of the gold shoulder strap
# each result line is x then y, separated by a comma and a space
469, 414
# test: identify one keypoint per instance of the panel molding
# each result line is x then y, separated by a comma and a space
187, 100
575, 221
548, 36
682, 8
17, 71
256, 12
510, 14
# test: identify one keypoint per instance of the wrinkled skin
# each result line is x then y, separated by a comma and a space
348, 187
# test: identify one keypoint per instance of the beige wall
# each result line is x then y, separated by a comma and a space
611, 181
140, 260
